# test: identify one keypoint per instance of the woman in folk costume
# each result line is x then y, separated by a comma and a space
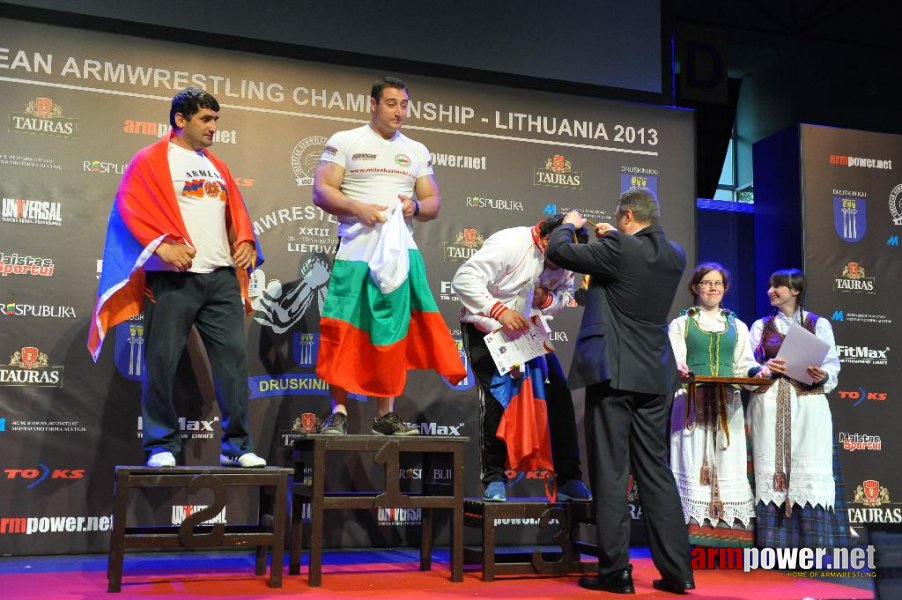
798, 483
708, 452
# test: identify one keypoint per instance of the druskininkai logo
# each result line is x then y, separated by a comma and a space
850, 218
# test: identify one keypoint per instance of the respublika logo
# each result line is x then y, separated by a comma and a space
14, 309
30, 367
43, 116
304, 158
876, 504
862, 355
852, 278
465, 245
103, 167
850, 218
494, 203
35, 212
860, 395
558, 172
859, 441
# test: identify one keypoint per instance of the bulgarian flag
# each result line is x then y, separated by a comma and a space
380, 319
145, 214
524, 423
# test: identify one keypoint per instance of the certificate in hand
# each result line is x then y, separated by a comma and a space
509, 349
802, 349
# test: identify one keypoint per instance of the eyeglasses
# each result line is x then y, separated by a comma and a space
710, 284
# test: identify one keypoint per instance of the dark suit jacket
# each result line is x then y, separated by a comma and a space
623, 335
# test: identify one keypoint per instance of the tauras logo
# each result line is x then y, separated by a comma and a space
558, 172
13, 309
38, 212
43, 117
852, 278
29, 366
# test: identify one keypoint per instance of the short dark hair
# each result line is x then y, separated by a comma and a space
189, 101
643, 204
386, 82
794, 280
703, 269
552, 223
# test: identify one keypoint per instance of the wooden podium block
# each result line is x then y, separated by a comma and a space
269, 532
568, 515
315, 450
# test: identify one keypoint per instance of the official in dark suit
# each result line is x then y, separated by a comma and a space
624, 360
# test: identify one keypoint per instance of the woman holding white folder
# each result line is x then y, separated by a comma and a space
798, 483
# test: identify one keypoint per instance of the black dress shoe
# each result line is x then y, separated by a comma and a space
619, 582
675, 587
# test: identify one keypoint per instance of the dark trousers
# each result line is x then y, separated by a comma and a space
623, 429
175, 302
561, 417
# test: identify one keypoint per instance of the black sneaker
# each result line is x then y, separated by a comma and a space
335, 424
390, 424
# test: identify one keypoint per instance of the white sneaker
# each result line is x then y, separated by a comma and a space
248, 460
161, 459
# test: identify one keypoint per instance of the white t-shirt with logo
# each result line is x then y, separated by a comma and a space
376, 169
202, 195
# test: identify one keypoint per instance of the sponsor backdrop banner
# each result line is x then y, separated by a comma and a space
79, 104
852, 218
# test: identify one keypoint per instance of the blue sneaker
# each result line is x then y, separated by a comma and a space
495, 492
574, 491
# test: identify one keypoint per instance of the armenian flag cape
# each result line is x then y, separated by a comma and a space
145, 213
380, 319
524, 423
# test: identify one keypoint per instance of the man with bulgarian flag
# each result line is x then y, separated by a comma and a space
379, 319
527, 421
180, 247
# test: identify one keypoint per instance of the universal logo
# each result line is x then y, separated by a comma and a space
304, 158
34, 212
43, 117
558, 172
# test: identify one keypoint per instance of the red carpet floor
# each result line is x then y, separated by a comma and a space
192, 579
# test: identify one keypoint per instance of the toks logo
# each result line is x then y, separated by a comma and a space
860, 395
42, 473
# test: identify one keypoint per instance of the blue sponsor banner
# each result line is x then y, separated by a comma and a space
128, 349
629, 181
288, 384
850, 218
